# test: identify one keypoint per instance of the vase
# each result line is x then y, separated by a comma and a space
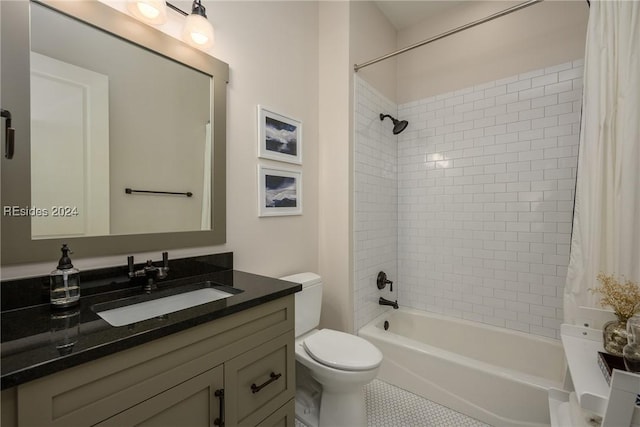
614, 335
631, 351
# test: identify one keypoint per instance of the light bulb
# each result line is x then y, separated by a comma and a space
148, 11
199, 38
198, 32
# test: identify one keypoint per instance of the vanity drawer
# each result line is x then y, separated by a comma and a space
283, 417
260, 381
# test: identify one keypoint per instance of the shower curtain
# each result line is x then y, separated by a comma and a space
606, 222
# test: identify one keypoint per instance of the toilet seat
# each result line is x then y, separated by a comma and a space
343, 351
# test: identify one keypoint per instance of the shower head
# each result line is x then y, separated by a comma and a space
398, 125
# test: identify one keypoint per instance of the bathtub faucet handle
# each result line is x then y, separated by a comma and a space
382, 281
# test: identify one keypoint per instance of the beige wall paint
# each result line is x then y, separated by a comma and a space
541, 35
349, 32
335, 166
272, 50
371, 36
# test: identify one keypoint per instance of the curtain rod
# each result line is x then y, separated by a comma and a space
504, 12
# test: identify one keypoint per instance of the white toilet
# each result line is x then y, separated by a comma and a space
341, 363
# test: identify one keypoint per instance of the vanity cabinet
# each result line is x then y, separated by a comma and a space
236, 370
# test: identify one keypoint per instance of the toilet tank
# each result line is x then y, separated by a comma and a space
308, 301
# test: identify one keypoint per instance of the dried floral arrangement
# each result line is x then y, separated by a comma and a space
624, 298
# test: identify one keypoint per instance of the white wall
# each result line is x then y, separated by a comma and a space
375, 216
272, 50
486, 179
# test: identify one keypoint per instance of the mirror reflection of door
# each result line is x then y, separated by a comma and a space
157, 128
69, 150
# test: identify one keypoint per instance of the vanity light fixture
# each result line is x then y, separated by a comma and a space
197, 30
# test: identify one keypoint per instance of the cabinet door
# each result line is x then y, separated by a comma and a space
193, 403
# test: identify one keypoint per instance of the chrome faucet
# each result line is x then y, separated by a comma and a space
383, 301
150, 271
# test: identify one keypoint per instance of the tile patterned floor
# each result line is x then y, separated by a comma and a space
390, 406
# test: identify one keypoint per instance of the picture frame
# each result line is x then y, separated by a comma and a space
279, 191
279, 136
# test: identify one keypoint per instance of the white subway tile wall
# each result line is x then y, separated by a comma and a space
375, 221
469, 210
486, 180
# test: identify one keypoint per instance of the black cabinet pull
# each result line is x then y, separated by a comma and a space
220, 420
272, 377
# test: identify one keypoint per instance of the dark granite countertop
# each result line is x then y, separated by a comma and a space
38, 340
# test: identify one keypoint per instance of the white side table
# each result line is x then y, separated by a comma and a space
616, 404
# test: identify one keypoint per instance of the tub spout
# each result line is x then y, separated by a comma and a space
383, 301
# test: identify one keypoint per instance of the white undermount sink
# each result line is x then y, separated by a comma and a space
145, 310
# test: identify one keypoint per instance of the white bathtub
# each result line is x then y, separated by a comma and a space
492, 374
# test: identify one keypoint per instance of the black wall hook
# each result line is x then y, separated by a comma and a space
9, 132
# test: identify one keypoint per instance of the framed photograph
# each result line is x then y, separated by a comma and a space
279, 137
279, 192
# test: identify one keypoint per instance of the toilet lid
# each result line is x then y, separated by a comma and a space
342, 351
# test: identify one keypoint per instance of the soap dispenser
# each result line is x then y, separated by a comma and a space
65, 282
